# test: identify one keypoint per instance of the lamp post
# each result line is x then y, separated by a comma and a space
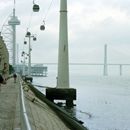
29, 51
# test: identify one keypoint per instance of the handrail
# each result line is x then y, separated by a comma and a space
24, 117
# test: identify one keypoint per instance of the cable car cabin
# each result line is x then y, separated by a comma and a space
34, 38
36, 8
23, 52
42, 27
25, 42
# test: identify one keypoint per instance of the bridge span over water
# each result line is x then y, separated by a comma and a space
105, 67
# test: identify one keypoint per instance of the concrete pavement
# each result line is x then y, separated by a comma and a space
41, 116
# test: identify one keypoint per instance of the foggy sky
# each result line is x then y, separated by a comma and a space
91, 24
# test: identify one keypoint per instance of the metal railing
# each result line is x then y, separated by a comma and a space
25, 124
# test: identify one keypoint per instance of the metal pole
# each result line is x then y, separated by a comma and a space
24, 65
63, 65
29, 57
14, 46
17, 63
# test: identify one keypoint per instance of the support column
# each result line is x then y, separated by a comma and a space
63, 64
105, 60
62, 91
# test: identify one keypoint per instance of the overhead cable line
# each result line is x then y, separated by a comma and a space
30, 20
48, 9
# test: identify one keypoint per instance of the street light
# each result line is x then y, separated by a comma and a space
28, 34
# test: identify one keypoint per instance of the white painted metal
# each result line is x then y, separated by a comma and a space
23, 64
17, 61
63, 66
29, 57
13, 22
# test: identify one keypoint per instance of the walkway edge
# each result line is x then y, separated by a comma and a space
69, 120
24, 117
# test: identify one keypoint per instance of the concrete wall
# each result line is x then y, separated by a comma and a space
4, 57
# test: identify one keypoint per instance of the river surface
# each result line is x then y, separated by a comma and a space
103, 102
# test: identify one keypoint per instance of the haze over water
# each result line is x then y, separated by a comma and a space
103, 103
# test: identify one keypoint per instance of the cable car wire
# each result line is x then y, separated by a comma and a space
48, 9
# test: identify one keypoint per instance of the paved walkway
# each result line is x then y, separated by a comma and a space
41, 116
9, 106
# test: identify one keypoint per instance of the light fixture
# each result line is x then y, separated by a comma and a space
28, 34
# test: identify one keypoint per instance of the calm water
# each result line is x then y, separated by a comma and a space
103, 103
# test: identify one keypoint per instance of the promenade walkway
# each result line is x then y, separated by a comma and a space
9, 106
40, 115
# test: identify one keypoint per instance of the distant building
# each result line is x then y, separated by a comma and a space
36, 70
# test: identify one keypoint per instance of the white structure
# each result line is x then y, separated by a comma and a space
29, 53
105, 60
29, 57
29, 35
63, 65
13, 22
